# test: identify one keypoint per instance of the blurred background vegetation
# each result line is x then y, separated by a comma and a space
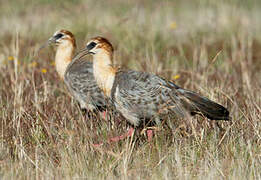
211, 47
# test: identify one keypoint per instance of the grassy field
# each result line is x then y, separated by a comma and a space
211, 47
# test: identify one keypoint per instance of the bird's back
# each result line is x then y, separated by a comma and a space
141, 95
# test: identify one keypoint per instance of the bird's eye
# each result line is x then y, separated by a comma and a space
91, 45
58, 36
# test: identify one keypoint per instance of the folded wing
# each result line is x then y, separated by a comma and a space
81, 83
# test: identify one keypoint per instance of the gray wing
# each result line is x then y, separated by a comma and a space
139, 95
82, 85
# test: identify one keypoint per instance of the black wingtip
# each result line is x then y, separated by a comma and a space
218, 112
204, 106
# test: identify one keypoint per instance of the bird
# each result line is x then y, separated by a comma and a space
77, 72
141, 96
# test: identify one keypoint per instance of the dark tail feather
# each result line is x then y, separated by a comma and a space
202, 105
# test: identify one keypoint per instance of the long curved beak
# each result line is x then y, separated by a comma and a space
41, 47
48, 42
51, 40
81, 54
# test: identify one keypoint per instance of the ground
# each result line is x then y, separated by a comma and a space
211, 47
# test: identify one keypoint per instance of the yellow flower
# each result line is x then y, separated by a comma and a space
176, 77
33, 64
10, 58
53, 63
173, 25
44, 70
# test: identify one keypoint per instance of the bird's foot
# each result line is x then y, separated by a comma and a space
149, 132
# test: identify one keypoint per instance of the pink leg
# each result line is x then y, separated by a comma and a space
118, 138
104, 114
97, 145
149, 135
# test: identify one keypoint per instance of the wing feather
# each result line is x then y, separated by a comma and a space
146, 95
82, 85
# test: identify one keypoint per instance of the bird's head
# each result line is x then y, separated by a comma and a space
62, 37
99, 45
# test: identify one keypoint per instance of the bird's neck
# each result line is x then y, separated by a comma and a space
103, 72
63, 57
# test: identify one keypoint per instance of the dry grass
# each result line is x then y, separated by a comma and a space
213, 46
